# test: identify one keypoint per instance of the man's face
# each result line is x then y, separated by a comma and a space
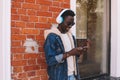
68, 23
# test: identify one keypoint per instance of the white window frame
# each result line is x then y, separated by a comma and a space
115, 38
73, 7
5, 40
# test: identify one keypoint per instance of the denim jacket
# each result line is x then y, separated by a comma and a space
54, 50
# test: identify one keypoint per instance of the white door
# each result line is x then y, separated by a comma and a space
5, 73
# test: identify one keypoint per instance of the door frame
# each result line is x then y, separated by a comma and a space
5, 40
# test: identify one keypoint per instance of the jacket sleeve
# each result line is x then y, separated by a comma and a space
50, 51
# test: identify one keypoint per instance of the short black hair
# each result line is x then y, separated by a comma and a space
68, 13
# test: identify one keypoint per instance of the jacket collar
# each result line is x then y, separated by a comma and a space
54, 30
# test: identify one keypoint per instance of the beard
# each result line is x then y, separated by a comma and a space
63, 28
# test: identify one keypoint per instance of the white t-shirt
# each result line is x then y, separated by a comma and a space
70, 61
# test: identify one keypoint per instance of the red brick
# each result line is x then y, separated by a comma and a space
31, 74
43, 65
55, 14
67, 1
31, 62
12, 23
19, 0
43, 55
31, 36
41, 43
42, 25
14, 11
33, 67
20, 24
46, 14
24, 18
44, 8
30, 1
44, 77
14, 76
65, 5
17, 57
41, 49
17, 50
61, 1
36, 78
39, 37
22, 75
41, 31
55, 9
17, 69
43, 19
39, 61
31, 12
44, 2
31, 56
15, 17
18, 37
22, 11
51, 20
30, 25
26, 78
16, 43
16, 4
19, 63
33, 19
56, 3
15, 30
30, 31
41, 72
30, 6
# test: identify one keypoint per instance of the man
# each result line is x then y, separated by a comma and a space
61, 54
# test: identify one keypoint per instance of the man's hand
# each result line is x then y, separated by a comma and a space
76, 51
73, 52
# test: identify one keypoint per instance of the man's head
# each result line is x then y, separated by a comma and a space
66, 19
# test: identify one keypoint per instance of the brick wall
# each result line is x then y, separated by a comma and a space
29, 20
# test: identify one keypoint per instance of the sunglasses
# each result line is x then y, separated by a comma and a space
70, 24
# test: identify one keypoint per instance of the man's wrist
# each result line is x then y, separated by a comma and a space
67, 53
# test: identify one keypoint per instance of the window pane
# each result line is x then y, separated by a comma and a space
93, 24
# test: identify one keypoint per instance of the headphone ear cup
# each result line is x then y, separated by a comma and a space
61, 19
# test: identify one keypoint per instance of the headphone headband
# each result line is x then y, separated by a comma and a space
59, 18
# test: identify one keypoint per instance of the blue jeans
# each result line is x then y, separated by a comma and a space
71, 77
